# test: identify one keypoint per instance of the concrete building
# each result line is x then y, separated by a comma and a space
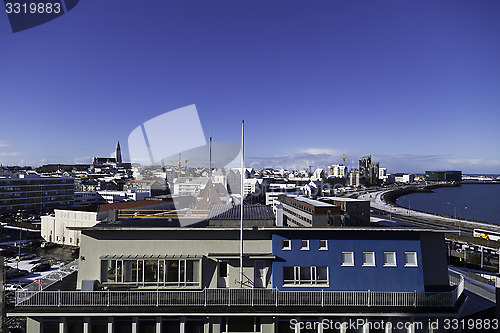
34, 192
304, 212
276, 189
443, 176
404, 177
355, 212
153, 187
59, 228
165, 279
354, 178
337, 170
189, 185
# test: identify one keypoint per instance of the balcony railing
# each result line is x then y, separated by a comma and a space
238, 297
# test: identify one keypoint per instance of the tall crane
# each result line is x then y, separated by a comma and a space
344, 157
179, 161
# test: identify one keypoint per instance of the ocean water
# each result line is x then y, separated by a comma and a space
480, 202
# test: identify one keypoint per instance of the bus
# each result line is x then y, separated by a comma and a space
487, 234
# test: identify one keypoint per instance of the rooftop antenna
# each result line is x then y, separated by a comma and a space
210, 152
241, 213
209, 183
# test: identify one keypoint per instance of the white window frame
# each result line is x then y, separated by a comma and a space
286, 248
323, 248
304, 248
314, 277
343, 263
386, 264
414, 254
372, 255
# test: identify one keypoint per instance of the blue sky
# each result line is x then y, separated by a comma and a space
416, 84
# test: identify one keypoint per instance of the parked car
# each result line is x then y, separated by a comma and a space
14, 273
44, 266
28, 256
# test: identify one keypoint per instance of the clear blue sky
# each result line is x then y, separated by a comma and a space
416, 84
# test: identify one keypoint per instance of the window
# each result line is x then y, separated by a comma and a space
323, 245
177, 272
305, 275
347, 258
304, 244
286, 244
390, 259
368, 259
411, 259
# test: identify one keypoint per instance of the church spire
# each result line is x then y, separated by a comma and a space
118, 153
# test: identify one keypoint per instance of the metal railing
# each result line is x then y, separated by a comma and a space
239, 297
53, 277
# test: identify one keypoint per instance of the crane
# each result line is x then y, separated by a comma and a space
179, 161
344, 157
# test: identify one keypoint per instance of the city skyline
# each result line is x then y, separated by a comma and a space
415, 85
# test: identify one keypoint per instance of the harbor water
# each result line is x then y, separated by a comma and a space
480, 202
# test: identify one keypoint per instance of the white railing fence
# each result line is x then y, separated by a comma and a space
237, 297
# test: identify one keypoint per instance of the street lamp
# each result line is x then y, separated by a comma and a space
454, 209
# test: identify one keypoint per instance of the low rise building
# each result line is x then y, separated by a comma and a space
59, 227
355, 212
304, 212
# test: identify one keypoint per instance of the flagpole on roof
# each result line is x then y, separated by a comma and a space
241, 203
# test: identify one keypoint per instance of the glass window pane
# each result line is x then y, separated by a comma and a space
223, 269
130, 270
104, 270
389, 259
410, 259
146, 325
189, 271
150, 270
111, 270
305, 274
196, 270
321, 274
161, 271
182, 267
140, 270
288, 275
172, 270
368, 259
347, 259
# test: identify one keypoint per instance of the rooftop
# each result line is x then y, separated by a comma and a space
250, 212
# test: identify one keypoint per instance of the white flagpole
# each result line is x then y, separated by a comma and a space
241, 213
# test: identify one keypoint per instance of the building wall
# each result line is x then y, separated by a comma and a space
434, 257
54, 229
33, 192
214, 245
350, 278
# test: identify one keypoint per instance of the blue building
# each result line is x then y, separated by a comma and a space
359, 260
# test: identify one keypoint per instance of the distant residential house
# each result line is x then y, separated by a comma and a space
153, 186
189, 185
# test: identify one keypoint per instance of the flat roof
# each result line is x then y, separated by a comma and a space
308, 201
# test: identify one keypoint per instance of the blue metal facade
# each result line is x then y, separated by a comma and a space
350, 278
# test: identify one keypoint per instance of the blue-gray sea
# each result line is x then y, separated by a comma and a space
480, 202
